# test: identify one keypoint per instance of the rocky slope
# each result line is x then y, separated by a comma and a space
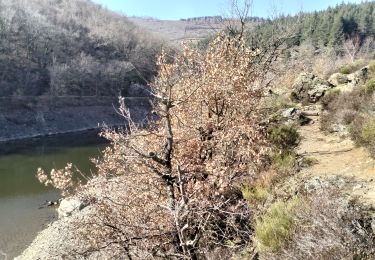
28, 117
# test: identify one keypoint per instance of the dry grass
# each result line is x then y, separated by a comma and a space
328, 228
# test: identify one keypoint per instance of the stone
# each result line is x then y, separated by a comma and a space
69, 206
294, 115
309, 87
315, 184
317, 92
359, 77
337, 79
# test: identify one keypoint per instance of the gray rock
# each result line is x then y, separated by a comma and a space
317, 92
291, 113
315, 184
359, 77
338, 79
294, 115
309, 87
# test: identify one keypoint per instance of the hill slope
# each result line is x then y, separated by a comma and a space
191, 29
70, 47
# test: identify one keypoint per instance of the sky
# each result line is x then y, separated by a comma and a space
177, 9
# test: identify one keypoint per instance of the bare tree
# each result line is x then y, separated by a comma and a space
352, 47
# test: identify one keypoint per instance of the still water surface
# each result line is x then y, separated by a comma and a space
21, 195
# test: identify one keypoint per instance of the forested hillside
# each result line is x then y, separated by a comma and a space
64, 47
332, 27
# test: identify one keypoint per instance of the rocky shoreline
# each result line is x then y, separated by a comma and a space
27, 118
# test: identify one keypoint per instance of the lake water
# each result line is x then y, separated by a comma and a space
21, 195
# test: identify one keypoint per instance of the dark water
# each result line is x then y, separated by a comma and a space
21, 195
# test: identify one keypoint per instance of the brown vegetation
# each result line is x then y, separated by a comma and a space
183, 173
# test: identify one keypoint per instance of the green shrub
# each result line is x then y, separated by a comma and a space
284, 137
255, 193
368, 132
284, 162
352, 67
309, 161
275, 227
370, 85
346, 69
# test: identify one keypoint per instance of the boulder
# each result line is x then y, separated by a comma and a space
359, 77
338, 79
69, 206
294, 115
317, 92
309, 87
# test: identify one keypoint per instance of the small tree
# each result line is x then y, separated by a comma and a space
172, 186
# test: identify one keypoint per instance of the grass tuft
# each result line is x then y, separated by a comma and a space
275, 227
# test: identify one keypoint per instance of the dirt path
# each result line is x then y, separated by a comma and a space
339, 157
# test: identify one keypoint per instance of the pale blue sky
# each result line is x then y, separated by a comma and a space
176, 9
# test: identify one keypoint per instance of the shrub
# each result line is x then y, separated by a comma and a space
255, 193
352, 67
370, 85
284, 137
346, 69
284, 162
343, 108
362, 132
309, 161
326, 227
282, 102
329, 97
275, 227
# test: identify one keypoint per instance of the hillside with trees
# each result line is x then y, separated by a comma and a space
63, 47
332, 27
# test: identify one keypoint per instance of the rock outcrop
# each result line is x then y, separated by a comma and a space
309, 88
351, 81
337, 79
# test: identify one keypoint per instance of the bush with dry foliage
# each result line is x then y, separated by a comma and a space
180, 174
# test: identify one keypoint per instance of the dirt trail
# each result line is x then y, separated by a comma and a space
339, 157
